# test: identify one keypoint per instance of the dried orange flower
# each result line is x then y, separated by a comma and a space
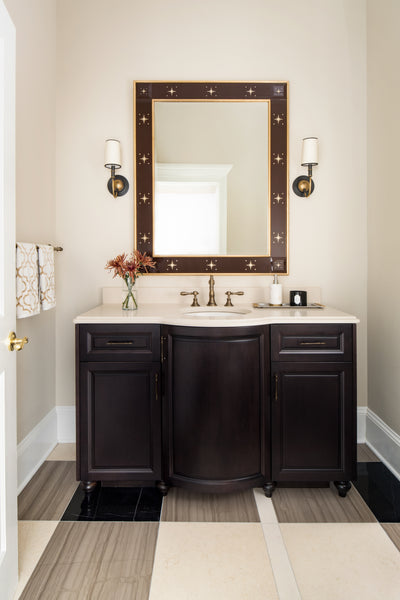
130, 266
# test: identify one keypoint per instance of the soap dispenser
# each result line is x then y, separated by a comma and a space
275, 298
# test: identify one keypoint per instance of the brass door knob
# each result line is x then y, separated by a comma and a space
15, 343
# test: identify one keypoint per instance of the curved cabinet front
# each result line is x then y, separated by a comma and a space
216, 417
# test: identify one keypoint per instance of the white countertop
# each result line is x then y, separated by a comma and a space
170, 314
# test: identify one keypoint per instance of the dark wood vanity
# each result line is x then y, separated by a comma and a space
216, 409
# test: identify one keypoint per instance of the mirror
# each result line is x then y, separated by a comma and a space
211, 176
205, 155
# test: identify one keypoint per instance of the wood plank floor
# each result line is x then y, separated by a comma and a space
54, 481
365, 454
183, 505
320, 505
393, 531
96, 561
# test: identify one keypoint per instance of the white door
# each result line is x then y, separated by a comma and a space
8, 441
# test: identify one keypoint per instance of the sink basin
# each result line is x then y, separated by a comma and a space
216, 313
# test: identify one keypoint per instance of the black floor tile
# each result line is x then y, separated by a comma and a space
115, 504
149, 505
380, 489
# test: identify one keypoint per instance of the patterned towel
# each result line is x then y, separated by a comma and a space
28, 303
47, 285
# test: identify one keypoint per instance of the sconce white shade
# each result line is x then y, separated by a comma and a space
309, 155
112, 154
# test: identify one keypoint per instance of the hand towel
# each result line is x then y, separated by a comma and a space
27, 284
47, 287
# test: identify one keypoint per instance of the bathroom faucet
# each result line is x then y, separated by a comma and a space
211, 296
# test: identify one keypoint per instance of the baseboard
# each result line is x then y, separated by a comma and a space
66, 424
361, 424
35, 448
384, 442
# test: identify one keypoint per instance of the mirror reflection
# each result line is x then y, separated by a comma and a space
211, 178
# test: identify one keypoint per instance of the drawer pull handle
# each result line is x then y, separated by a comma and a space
312, 343
120, 343
156, 386
276, 387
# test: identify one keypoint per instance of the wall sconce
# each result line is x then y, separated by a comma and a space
117, 184
303, 186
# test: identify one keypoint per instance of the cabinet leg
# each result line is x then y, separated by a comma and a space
269, 487
88, 486
342, 487
162, 487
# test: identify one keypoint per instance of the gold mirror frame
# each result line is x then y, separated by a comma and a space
276, 92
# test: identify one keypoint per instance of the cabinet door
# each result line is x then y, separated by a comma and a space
119, 422
313, 422
216, 423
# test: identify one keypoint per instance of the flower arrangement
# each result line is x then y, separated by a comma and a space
130, 267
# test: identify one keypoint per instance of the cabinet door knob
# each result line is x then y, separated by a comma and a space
15, 343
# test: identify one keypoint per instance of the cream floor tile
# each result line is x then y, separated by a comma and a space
63, 452
265, 507
343, 561
212, 561
33, 537
283, 573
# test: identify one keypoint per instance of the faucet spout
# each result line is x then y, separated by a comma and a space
211, 296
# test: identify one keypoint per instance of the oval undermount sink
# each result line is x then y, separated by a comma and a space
216, 313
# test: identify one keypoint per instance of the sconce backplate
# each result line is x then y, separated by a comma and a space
301, 186
121, 185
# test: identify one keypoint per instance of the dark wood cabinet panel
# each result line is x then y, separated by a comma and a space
312, 342
313, 420
119, 342
313, 404
216, 423
120, 422
118, 403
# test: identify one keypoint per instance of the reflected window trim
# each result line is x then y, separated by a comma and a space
196, 175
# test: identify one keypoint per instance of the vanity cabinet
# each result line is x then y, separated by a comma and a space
216, 409
216, 418
118, 403
313, 408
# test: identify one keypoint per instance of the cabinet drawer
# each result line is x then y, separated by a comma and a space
314, 342
119, 342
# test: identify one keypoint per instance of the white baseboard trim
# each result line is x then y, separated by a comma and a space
361, 424
384, 442
57, 427
35, 448
66, 424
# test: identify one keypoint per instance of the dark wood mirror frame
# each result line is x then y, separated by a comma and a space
145, 94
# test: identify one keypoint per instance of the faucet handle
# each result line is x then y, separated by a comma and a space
195, 294
229, 294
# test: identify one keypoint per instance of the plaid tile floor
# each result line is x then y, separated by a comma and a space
129, 543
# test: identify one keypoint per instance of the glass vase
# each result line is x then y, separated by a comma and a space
130, 300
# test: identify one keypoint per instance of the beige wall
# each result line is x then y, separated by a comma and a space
35, 181
319, 47
383, 53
